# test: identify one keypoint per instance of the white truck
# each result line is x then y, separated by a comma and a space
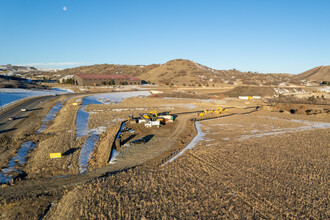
149, 124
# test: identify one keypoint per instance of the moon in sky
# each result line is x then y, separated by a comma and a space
65, 8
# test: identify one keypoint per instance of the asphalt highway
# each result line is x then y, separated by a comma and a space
33, 104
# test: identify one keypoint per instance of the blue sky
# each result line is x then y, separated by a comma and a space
288, 36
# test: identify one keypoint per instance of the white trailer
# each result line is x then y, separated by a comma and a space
149, 124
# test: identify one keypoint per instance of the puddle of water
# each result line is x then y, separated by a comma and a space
19, 159
50, 116
199, 137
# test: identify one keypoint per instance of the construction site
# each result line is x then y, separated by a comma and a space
134, 154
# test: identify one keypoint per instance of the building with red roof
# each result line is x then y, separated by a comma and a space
105, 79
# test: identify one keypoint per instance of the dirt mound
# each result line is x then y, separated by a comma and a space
300, 109
320, 73
250, 91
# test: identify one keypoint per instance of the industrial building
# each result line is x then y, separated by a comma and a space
104, 79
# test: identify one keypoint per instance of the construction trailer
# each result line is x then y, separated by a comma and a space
151, 116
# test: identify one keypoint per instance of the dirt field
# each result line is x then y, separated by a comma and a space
265, 164
11, 141
227, 175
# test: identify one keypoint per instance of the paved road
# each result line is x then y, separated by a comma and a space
31, 105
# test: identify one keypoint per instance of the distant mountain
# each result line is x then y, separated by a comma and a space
183, 72
320, 73
9, 67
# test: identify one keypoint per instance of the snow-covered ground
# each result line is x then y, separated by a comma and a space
114, 154
19, 158
82, 121
110, 98
5, 174
308, 126
50, 116
324, 89
199, 137
9, 96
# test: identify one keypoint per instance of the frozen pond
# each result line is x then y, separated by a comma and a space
82, 121
19, 159
9, 96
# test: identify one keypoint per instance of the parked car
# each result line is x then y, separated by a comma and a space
12, 118
23, 110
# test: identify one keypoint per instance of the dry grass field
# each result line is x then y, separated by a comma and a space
263, 165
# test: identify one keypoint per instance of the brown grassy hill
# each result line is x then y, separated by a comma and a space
320, 73
183, 73
186, 72
133, 70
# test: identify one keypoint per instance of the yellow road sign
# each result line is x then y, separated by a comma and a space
55, 155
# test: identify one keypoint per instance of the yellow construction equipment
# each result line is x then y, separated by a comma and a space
218, 111
204, 112
154, 113
150, 116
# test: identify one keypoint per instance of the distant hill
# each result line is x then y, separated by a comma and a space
187, 72
183, 72
320, 73
133, 70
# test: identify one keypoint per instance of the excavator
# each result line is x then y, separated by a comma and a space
153, 116
219, 110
